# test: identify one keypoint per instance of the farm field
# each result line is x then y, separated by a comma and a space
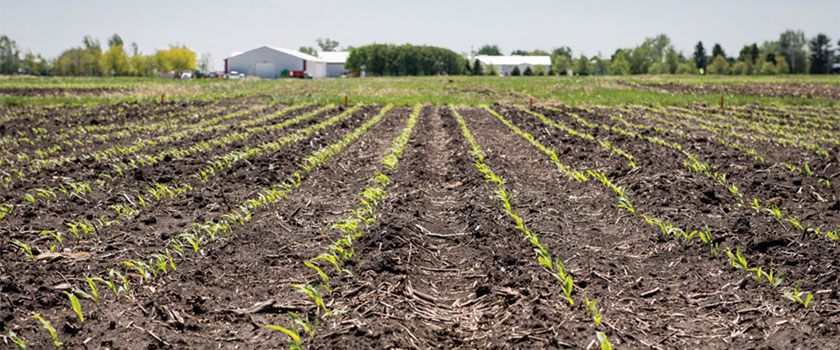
274, 218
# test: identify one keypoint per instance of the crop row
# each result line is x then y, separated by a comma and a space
694, 162
160, 264
705, 236
554, 267
352, 228
42, 196
157, 192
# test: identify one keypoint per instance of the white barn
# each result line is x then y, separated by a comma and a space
504, 64
270, 62
335, 62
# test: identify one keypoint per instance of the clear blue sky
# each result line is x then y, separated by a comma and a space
589, 27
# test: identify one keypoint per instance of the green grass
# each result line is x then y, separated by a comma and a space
408, 91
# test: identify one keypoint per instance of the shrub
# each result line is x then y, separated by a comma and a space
528, 71
515, 71
768, 68
742, 68
719, 66
689, 67
658, 68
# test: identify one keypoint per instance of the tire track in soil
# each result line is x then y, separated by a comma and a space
442, 268
656, 291
194, 307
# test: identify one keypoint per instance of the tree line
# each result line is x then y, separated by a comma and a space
792, 53
388, 59
91, 59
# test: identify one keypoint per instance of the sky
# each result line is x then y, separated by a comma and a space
589, 27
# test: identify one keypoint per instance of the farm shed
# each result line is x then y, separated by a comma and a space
271, 62
504, 64
335, 62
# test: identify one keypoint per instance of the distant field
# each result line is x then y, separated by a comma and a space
459, 90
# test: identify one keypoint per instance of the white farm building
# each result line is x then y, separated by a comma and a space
271, 62
335, 62
504, 64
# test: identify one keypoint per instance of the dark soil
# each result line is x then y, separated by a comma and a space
442, 266
42, 92
798, 90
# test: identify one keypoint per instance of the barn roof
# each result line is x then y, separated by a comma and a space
334, 56
514, 60
289, 52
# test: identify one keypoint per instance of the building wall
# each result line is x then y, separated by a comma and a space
505, 70
335, 70
246, 63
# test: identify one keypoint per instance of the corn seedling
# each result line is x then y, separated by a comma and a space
49, 327
775, 281
26, 249
796, 295
94, 292
56, 237
795, 223
602, 339
13, 337
737, 259
293, 333
808, 171
755, 205
592, 311
776, 212
77, 306
312, 293
324, 278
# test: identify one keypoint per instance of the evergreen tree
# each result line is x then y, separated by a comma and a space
490, 50
528, 71
717, 50
822, 55
476, 68
700, 55
515, 71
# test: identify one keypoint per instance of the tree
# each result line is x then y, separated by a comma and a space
491, 71
699, 55
36, 65
719, 66
581, 65
688, 67
659, 68
205, 63
515, 71
717, 50
528, 71
309, 50
782, 65
93, 47
114, 62
326, 44
768, 68
9, 55
599, 66
619, 64
791, 44
520, 53
115, 40
175, 58
477, 69
749, 53
822, 55
561, 65
490, 50
388, 59
539, 70
742, 68
672, 59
